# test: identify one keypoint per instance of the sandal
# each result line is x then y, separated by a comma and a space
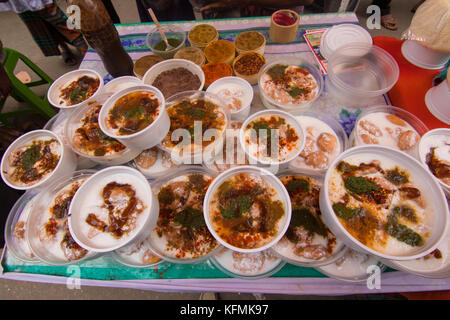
389, 22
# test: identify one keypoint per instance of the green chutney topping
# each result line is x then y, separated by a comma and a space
277, 71
405, 211
162, 46
303, 217
360, 185
347, 213
402, 232
296, 185
396, 177
190, 218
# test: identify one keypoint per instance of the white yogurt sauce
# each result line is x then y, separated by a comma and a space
93, 203
161, 244
353, 266
430, 263
258, 149
233, 95
22, 243
52, 247
424, 215
138, 254
247, 264
55, 148
287, 248
154, 162
375, 128
442, 152
317, 133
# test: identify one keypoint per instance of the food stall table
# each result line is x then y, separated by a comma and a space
106, 272
412, 85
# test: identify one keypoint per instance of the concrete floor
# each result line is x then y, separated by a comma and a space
15, 35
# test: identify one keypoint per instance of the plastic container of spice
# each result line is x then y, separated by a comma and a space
175, 36
144, 63
202, 34
193, 54
284, 26
216, 70
250, 41
247, 66
220, 51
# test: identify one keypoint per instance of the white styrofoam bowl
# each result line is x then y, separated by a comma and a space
66, 164
159, 244
290, 119
45, 250
435, 197
147, 137
272, 181
242, 113
60, 83
120, 83
145, 221
73, 123
169, 64
422, 153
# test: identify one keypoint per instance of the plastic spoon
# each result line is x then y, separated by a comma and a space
152, 14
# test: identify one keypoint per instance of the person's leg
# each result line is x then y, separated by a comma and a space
111, 11
177, 10
385, 6
41, 33
387, 20
57, 23
144, 16
69, 58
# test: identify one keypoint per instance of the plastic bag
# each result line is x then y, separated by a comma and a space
430, 25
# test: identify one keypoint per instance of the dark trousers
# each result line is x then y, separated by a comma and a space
385, 6
180, 10
111, 11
